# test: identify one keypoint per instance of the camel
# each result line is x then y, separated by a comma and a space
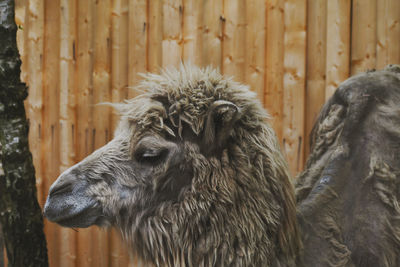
348, 195
195, 177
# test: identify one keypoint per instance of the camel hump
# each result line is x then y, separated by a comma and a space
348, 196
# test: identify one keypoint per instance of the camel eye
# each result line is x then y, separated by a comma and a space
151, 155
151, 150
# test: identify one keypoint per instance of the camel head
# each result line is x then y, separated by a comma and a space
193, 177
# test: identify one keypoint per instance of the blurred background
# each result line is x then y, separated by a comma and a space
293, 53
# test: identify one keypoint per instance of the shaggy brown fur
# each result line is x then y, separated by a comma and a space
349, 195
194, 177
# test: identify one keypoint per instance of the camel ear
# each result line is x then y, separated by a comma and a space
220, 121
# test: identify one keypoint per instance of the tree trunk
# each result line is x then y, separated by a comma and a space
20, 214
1, 247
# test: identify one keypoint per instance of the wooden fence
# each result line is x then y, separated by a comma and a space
75, 54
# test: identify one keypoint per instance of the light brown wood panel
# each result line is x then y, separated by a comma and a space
154, 53
273, 91
119, 86
192, 32
316, 64
212, 25
234, 39
337, 44
33, 68
137, 43
294, 83
119, 58
388, 33
101, 113
50, 145
172, 19
255, 46
363, 36
84, 109
67, 244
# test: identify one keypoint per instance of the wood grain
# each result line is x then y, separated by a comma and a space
67, 115
338, 44
273, 92
294, 83
363, 36
255, 41
388, 33
84, 107
137, 43
50, 144
316, 64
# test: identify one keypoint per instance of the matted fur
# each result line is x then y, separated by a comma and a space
195, 177
239, 209
349, 194
223, 197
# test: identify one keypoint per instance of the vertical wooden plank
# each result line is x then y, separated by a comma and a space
119, 256
154, 53
84, 107
363, 36
34, 70
138, 42
119, 52
388, 33
316, 63
212, 32
337, 44
234, 41
67, 239
255, 46
294, 83
51, 130
101, 114
172, 32
192, 31
273, 97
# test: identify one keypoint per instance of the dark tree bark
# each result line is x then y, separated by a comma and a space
1, 248
20, 214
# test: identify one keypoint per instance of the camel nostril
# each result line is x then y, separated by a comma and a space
60, 188
64, 183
